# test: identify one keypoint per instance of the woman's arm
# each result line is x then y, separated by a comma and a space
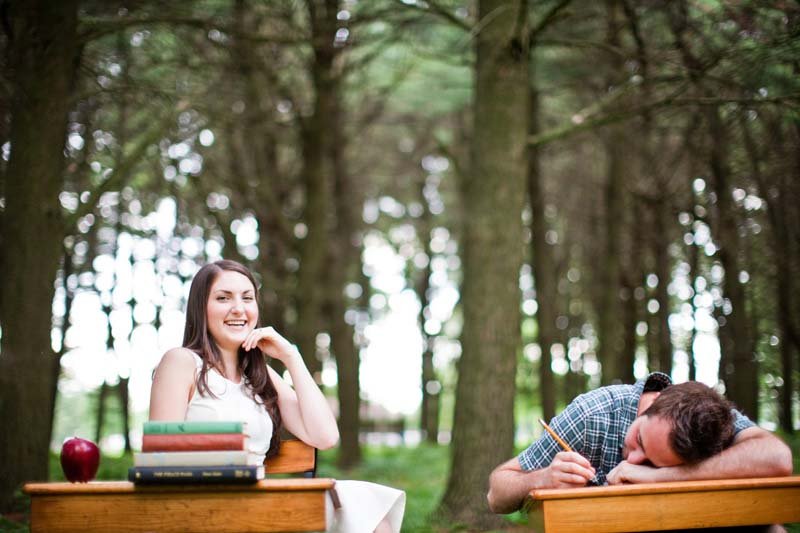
173, 385
304, 410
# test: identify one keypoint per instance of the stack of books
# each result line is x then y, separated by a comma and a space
194, 452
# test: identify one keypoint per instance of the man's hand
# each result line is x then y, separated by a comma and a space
626, 472
569, 470
509, 483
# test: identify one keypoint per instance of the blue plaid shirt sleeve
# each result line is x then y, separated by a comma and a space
740, 422
569, 425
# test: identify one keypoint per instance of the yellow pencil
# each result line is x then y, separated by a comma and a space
553, 434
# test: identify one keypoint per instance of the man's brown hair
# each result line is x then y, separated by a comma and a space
701, 418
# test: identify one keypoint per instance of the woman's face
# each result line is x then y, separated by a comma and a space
231, 310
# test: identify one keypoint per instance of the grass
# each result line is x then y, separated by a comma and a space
420, 471
422, 474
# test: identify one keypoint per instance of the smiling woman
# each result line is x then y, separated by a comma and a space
220, 373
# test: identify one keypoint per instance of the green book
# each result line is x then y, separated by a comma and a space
217, 426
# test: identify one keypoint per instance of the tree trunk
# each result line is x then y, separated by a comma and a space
542, 264
429, 382
344, 249
43, 62
738, 366
660, 241
631, 280
69, 295
257, 179
124, 405
100, 415
782, 245
483, 429
609, 332
694, 265
741, 375
322, 16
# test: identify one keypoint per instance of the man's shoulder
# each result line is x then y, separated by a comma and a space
607, 399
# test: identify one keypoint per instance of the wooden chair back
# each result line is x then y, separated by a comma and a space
294, 457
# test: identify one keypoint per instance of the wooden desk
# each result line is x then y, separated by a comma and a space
660, 506
119, 506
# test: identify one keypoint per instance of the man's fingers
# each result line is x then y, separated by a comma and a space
566, 466
574, 463
574, 457
572, 479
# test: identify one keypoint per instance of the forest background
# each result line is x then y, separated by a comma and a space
552, 196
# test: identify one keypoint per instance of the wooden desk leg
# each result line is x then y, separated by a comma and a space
536, 517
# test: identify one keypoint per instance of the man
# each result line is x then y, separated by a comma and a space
648, 432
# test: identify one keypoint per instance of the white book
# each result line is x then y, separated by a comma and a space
199, 458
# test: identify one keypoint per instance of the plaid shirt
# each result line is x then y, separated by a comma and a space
595, 424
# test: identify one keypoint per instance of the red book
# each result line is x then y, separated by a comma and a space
193, 441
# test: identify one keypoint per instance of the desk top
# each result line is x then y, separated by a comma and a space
665, 487
126, 487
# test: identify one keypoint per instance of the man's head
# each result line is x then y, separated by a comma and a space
686, 423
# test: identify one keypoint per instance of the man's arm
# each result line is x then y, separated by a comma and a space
755, 452
509, 483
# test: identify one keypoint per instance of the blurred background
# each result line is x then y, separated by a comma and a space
464, 213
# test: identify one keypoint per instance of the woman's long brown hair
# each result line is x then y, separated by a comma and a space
252, 363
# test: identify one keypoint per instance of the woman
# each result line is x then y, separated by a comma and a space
220, 374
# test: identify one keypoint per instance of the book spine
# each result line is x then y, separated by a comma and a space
193, 442
211, 458
195, 474
161, 428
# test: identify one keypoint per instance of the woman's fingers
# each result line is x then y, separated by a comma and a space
264, 338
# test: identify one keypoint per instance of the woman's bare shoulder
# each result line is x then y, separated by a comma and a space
178, 358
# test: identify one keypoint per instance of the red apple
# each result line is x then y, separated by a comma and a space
79, 459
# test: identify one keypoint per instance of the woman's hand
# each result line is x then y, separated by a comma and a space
271, 343
304, 410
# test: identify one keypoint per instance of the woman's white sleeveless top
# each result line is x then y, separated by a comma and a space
233, 402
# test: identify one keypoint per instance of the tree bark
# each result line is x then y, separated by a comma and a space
43, 53
100, 414
483, 429
609, 332
124, 405
429, 382
694, 270
778, 203
741, 375
610, 335
663, 271
738, 366
55, 368
542, 264
322, 16
256, 176
344, 249
631, 280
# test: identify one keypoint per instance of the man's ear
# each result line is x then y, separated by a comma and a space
646, 401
